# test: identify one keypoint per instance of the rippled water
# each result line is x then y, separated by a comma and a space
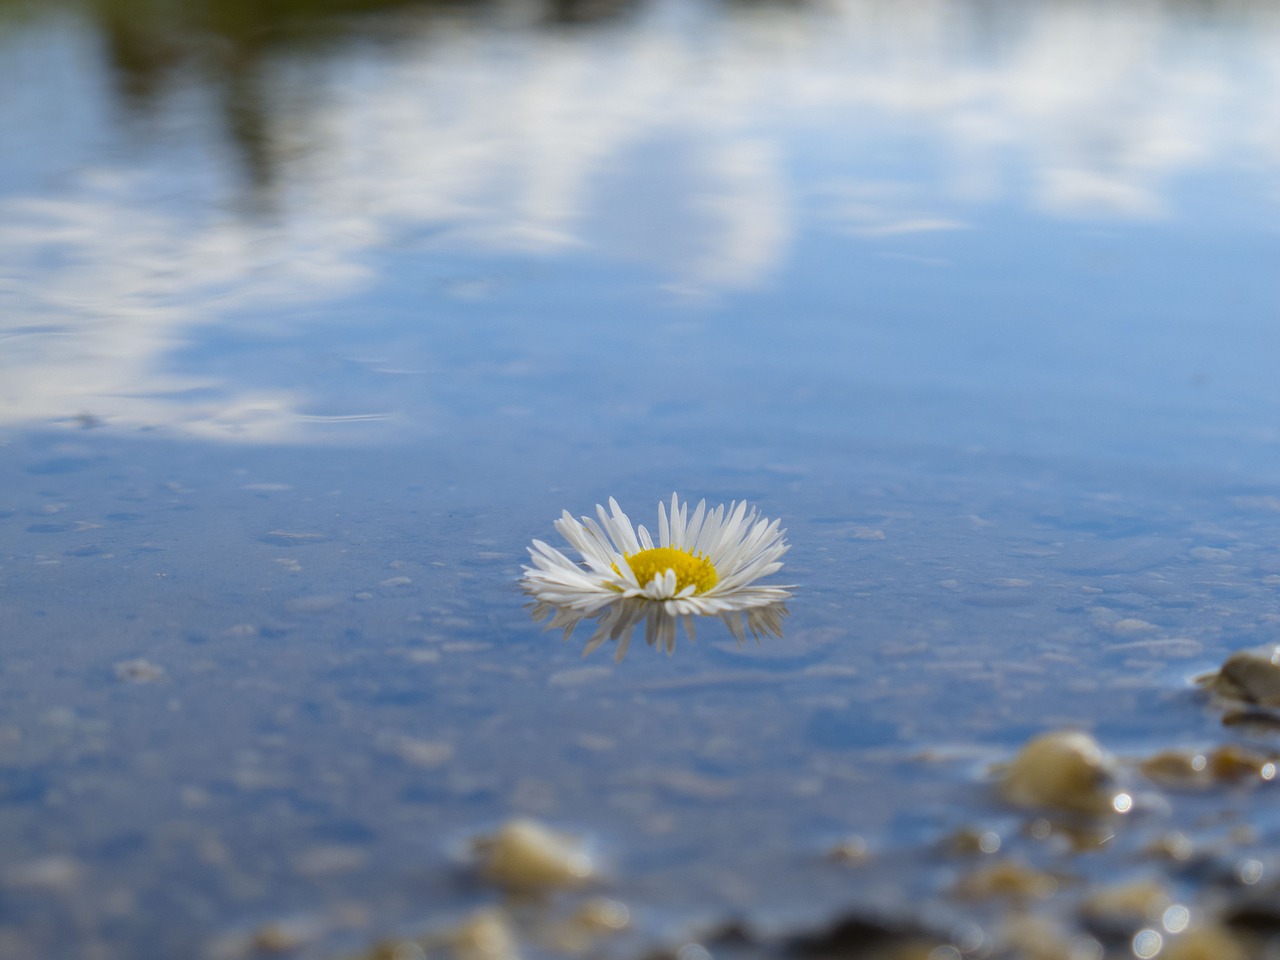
313, 316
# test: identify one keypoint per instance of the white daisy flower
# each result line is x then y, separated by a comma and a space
706, 564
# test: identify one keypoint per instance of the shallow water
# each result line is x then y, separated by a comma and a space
311, 320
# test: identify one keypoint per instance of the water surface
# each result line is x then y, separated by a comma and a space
314, 316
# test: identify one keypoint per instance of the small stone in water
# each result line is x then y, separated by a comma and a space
525, 855
850, 850
1128, 906
1205, 943
579, 933
1249, 675
1009, 879
1227, 764
285, 936
1176, 767
604, 915
1029, 937
1232, 763
1066, 770
971, 840
485, 936
1174, 845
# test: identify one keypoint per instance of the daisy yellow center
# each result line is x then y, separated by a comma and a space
691, 570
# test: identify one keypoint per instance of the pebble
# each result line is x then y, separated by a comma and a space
525, 855
1249, 675
603, 915
1064, 770
1227, 764
581, 932
1008, 879
486, 935
1036, 938
395, 950
1127, 906
971, 840
1205, 943
851, 850
1174, 845
285, 936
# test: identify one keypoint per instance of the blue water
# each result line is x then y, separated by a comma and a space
305, 334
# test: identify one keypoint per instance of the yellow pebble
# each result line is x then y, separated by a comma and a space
1066, 770
525, 855
486, 935
1205, 943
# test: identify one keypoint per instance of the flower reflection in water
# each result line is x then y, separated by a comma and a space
704, 564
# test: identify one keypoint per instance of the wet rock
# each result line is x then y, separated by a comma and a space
1232, 763
285, 936
1175, 767
1064, 770
854, 936
1253, 720
1029, 937
603, 915
526, 856
579, 933
485, 936
1065, 833
394, 950
971, 840
1252, 676
851, 850
1120, 911
1007, 879
1206, 943
1256, 913
1226, 765
1174, 845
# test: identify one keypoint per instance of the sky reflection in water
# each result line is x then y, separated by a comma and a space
304, 333
708, 151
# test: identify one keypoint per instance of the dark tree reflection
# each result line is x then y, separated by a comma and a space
228, 47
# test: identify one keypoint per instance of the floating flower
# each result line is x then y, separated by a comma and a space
706, 564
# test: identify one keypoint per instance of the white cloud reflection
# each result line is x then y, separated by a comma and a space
687, 139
